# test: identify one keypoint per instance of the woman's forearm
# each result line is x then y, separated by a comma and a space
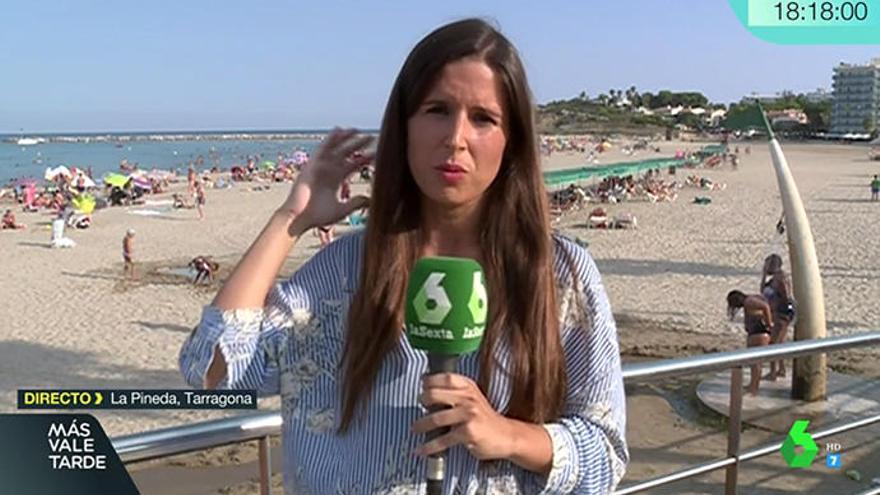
255, 274
252, 278
532, 447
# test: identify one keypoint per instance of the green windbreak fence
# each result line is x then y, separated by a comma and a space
564, 177
567, 176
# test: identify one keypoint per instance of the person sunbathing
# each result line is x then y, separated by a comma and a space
181, 202
9, 222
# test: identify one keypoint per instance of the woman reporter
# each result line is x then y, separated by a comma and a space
457, 173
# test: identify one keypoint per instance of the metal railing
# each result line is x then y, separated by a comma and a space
200, 436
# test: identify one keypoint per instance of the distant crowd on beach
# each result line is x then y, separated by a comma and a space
647, 186
71, 196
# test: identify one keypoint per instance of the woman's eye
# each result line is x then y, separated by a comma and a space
484, 119
436, 110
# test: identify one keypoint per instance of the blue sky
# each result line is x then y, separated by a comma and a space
162, 65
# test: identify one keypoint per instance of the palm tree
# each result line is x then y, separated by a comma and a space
633, 95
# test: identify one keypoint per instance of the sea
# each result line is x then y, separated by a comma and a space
103, 152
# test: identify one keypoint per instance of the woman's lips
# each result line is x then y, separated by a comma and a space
451, 173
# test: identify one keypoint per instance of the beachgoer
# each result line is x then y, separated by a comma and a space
200, 199
777, 291
205, 267
458, 174
325, 234
128, 253
875, 188
758, 321
191, 180
179, 202
9, 222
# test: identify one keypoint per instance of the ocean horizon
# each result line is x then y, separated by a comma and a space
35, 134
166, 150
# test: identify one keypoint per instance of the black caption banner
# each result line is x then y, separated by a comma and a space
137, 399
59, 453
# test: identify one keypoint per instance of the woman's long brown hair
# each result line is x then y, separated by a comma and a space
516, 242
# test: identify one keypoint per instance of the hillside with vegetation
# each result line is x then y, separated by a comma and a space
620, 111
649, 113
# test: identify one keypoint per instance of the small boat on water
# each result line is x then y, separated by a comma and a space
27, 141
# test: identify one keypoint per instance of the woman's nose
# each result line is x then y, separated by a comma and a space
456, 136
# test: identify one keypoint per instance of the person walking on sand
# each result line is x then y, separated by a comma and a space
200, 199
758, 320
128, 253
875, 188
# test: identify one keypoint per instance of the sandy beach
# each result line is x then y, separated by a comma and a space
70, 319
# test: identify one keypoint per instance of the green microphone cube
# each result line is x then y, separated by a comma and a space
446, 305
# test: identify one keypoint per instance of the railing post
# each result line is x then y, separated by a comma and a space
265, 466
734, 428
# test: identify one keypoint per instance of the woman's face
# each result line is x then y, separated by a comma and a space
458, 134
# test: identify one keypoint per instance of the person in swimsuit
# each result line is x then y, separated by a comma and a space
205, 267
128, 253
200, 199
776, 290
758, 320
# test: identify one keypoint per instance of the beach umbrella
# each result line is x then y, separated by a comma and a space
84, 203
51, 173
113, 179
267, 165
142, 183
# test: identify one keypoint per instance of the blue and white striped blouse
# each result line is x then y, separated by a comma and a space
293, 347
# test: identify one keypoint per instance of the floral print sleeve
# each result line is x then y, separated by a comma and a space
589, 448
253, 340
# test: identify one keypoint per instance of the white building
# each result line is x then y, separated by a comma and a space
855, 107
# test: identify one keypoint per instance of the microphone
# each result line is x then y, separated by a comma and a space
446, 309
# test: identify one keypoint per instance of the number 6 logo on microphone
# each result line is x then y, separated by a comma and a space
432, 292
477, 304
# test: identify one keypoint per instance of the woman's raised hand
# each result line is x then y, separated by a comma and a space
313, 200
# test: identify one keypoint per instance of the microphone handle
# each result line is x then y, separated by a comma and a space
436, 472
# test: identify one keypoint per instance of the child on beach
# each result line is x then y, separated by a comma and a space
325, 234
9, 222
128, 253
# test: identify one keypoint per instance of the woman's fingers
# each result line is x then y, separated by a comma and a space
444, 397
441, 443
349, 146
446, 417
448, 380
335, 137
342, 143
